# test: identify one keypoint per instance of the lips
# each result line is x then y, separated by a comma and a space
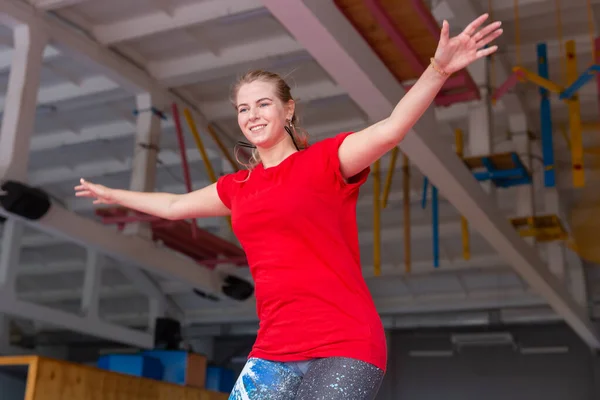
257, 128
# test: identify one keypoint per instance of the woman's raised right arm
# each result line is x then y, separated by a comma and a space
201, 203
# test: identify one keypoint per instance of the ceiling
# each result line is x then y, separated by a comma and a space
192, 51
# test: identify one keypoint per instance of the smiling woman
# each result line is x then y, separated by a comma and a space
261, 98
294, 213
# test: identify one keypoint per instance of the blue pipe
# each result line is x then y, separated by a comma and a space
546, 119
424, 196
436, 226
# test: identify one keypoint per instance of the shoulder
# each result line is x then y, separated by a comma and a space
325, 159
228, 184
329, 146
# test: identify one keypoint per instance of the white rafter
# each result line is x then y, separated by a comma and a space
54, 4
182, 17
182, 70
67, 91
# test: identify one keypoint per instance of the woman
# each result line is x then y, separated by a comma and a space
293, 211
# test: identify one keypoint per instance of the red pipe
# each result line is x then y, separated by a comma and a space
508, 84
186, 168
399, 40
434, 29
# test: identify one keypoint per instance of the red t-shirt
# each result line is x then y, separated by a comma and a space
297, 224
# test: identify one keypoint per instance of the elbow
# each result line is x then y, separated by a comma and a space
172, 213
391, 134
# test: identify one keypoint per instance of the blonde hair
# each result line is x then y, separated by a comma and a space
283, 93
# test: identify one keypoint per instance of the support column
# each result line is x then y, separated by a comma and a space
480, 140
21, 100
92, 282
4, 334
555, 250
145, 155
9, 255
522, 146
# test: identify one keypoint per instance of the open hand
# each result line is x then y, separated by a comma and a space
102, 194
454, 54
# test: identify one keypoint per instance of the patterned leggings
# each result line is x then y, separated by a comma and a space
319, 379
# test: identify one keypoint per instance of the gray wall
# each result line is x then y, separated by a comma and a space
491, 372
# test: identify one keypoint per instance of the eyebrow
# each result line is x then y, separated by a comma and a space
258, 101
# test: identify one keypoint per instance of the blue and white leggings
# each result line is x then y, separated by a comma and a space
330, 378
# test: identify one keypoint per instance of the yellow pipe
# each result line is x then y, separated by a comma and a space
376, 219
200, 145
464, 224
202, 150
390, 175
538, 80
574, 118
215, 137
406, 200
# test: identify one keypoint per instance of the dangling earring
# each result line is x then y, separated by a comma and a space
288, 128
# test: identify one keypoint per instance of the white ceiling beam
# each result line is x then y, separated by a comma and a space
6, 57
166, 6
183, 70
50, 5
48, 176
67, 91
76, 323
108, 131
131, 250
332, 41
183, 16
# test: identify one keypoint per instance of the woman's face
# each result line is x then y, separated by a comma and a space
261, 115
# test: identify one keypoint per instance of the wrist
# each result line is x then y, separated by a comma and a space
438, 67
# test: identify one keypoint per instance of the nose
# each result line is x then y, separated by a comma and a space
253, 113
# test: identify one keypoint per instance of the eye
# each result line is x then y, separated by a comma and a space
264, 104
243, 109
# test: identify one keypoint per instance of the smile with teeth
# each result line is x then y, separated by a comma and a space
257, 128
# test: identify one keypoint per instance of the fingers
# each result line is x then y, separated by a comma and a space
445, 33
489, 38
473, 26
486, 31
486, 52
85, 193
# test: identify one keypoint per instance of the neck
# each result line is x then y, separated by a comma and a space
274, 155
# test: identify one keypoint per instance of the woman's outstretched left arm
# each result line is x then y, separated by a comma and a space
361, 149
